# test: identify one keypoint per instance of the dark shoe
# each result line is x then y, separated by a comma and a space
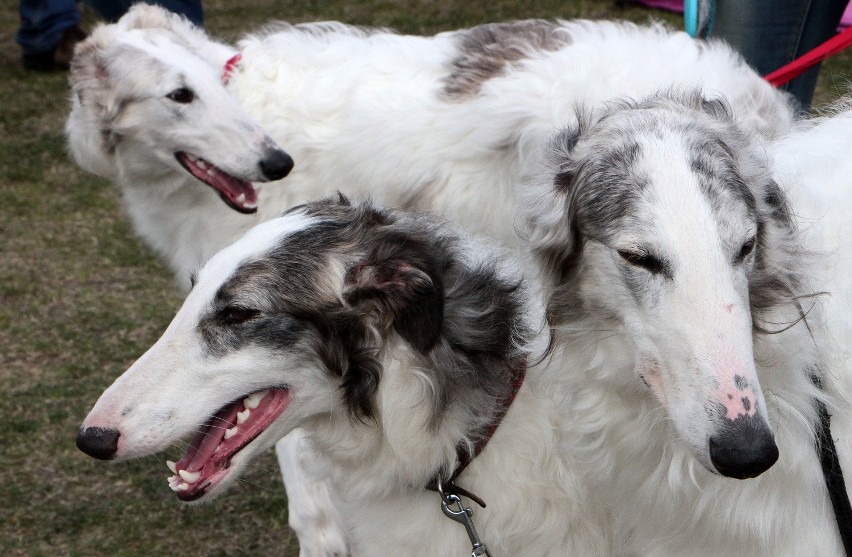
59, 58
38, 62
65, 51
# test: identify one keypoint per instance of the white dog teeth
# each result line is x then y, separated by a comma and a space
172, 466
201, 163
254, 399
241, 198
190, 477
243, 416
231, 432
182, 486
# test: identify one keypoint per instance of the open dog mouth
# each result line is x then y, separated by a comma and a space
225, 434
238, 194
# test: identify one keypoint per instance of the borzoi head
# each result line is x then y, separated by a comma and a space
658, 219
300, 323
148, 102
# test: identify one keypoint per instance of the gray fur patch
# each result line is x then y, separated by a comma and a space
596, 182
776, 200
486, 51
405, 274
605, 188
715, 166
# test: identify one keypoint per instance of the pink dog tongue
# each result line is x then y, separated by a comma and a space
208, 458
240, 195
208, 438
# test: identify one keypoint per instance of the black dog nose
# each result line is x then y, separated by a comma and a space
98, 442
276, 164
743, 448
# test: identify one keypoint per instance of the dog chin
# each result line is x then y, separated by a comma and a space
227, 478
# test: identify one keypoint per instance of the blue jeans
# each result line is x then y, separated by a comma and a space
112, 10
43, 22
771, 33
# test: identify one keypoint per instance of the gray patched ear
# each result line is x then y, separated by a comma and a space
778, 205
342, 199
561, 149
717, 108
399, 285
563, 145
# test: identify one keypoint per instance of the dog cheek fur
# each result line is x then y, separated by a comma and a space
349, 349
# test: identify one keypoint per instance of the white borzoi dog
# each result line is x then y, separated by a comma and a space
393, 342
450, 123
684, 311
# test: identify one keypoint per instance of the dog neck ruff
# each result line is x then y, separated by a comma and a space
447, 487
451, 503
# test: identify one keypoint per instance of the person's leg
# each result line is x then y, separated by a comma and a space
43, 22
821, 24
771, 33
112, 10
46, 27
191, 9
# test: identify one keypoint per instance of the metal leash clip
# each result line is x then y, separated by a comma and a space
464, 516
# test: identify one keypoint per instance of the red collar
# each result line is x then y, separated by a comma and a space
465, 457
231, 67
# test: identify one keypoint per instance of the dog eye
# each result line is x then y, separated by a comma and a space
234, 315
182, 95
747, 248
644, 260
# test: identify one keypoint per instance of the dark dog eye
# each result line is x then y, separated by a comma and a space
747, 248
644, 260
234, 315
182, 95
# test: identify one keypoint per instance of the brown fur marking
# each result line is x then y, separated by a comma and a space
487, 50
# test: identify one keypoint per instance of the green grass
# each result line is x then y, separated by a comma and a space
81, 298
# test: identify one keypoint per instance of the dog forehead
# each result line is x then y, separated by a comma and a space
258, 241
168, 51
677, 163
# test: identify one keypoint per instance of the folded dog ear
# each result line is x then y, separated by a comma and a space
400, 289
717, 108
88, 67
90, 138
